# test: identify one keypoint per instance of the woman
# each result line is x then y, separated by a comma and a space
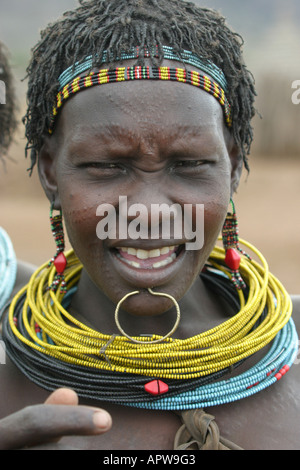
171, 128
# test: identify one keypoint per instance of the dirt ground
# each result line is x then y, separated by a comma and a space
267, 205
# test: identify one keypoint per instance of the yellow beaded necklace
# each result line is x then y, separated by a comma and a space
51, 329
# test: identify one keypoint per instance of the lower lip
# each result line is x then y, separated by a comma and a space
144, 276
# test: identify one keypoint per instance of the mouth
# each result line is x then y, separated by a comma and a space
148, 259
148, 266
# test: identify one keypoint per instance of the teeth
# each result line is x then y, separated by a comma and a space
145, 254
135, 265
166, 261
159, 264
142, 254
157, 252
132, 263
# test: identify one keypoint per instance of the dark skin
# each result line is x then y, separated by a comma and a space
167, 143
24, 272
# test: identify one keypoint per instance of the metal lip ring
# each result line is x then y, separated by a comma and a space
160, 294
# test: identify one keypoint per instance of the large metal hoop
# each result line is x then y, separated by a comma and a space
134, 340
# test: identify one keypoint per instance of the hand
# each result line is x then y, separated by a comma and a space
59, 416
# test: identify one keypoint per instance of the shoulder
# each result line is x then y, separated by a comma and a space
296, 303
296, 311
24, 273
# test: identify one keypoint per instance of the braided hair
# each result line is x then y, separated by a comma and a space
8, 121
119, 25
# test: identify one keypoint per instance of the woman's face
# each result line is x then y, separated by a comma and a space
153, 143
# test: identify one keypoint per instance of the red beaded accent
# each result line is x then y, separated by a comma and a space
60, 263
156, 387
230, 239
282, 371
232, 259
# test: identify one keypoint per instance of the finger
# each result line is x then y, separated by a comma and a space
63, 396
42, 423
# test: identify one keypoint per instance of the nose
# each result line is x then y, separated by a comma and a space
151, 212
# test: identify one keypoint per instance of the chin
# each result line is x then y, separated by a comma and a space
146, 305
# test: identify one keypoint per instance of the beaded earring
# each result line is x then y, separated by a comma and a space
59, 259
230, 236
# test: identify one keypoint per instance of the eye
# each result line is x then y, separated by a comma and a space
101, 165
103, 168
189, 167
189, 163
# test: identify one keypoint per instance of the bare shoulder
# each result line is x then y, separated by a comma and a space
296, 311
24, 272
296, 304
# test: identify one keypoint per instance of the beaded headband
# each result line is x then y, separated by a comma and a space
186, 57
73, 79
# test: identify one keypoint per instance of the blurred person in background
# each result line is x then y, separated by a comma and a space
13, 273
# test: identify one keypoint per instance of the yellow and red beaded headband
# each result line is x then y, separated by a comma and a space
71, 84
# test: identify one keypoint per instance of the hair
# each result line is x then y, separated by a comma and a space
119, 25
8, 122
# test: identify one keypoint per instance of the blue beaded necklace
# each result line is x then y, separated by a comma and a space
266, 372
8, 268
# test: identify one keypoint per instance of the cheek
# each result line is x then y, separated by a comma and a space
215, 205
80, 217
214, 200
215, 213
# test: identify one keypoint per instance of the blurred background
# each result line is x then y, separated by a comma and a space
268, 199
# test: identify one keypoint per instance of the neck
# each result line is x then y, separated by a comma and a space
200, 310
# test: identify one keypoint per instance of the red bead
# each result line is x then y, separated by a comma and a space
253, 385
284, 370
156, 387
60, 263
278, 375
232, 259
271, 372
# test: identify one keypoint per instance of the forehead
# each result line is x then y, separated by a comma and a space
150, 106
